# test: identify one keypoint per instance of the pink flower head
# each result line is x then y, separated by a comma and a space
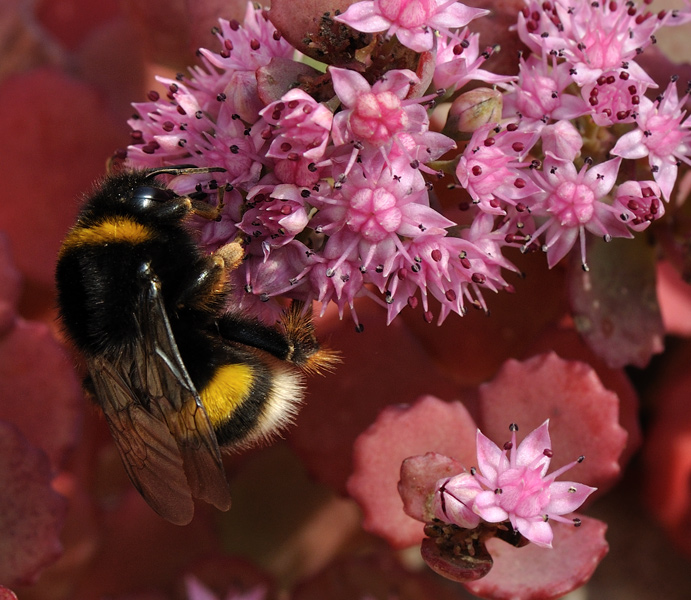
459, 60
491, 167
247, 46
639, 203
540, 92
274, 215
376, 115
453, 270
662, 135
515, 487
302, 126
454, 500
412, 21
230, 74
572, 202
614, 97
593, 37
377, 205
561, 139
338, 278
178, 130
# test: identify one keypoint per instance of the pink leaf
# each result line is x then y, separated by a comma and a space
568, 565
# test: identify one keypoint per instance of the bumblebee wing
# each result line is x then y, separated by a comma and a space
158, 369
149, 452
166, 442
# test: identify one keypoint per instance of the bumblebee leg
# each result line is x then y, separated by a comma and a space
254, 333
232, 255
209, 211
208, 289
295, 343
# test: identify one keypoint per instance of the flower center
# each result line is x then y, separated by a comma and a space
376, 117
373, 214
572, 203
524, 492
666, 135
406, 13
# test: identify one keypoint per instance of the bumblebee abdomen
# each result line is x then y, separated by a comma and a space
250, 400
229, 387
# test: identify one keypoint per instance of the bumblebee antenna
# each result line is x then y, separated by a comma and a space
182, 170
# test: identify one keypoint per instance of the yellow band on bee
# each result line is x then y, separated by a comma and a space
112, 230
230, 386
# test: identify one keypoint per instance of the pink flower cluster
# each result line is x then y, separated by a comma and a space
330, 175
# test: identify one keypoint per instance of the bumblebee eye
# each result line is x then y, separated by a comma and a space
144, 195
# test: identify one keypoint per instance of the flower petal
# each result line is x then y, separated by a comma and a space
567, 496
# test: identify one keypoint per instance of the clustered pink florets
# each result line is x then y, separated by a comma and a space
333, 197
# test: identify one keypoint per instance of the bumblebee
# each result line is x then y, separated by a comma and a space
176, 375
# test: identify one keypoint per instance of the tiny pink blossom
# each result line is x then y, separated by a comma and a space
492, 169
572, 202
663, 135
459, 60
376, 114
302, 126
274, 215
614, 97
516, 487
376, 204
246, 46
454, 499
562, 139
412, 21
593, 37
452, 269
639, 203
540, 92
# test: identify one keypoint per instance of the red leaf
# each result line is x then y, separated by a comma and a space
31, 512
615, 303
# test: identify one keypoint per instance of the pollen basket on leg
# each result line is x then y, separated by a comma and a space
111, 230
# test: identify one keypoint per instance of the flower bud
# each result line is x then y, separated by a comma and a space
562, 139
472, 110
453, 500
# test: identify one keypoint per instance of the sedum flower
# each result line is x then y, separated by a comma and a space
459, 60
593, 37
662, 135
302, 126
511, 484
572, 202
639, 203
539, 92
492, 167
411, 21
